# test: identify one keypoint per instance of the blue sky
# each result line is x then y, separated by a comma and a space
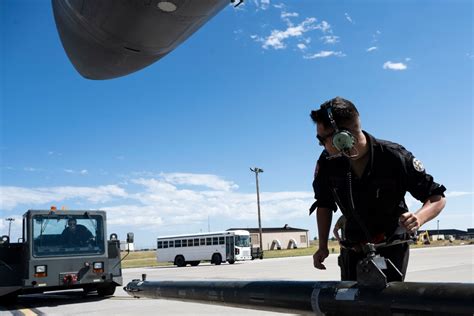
168, 149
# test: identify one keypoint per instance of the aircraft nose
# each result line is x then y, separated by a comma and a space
105, 39
94, 54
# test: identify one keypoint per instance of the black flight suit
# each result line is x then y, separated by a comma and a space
76, 238
377, 198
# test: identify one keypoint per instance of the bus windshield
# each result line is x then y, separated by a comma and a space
242, 241
67, 235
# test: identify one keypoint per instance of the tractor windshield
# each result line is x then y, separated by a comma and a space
67, 235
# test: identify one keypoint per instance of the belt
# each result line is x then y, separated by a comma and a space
357, 246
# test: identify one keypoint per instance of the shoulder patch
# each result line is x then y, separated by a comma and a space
418, 165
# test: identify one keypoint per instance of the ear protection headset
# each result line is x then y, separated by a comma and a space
342, 139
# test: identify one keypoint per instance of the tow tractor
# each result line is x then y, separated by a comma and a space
43, 260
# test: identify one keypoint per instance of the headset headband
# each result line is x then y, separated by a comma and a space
331, 118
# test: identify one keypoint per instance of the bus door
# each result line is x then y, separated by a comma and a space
229, 248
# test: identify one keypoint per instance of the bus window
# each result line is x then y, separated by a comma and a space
171, 244
177, 244
209, 241
203, 242
160, 244
196, 242
190, 242
165, 244
215, 241
184, 243
242, 241
221, 241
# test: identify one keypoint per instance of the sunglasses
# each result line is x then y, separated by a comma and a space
322, 139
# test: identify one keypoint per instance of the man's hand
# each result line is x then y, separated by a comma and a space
318, 258
410, 222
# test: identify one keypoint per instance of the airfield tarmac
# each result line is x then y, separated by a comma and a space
441, 264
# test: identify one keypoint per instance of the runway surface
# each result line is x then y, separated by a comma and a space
443, 264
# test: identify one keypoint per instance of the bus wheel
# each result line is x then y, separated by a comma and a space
106, 290
194, 263
179, 261
216, 259
231, 261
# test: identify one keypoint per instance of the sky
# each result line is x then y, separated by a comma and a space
167, 150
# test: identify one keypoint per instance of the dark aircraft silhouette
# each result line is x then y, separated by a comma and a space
105, 39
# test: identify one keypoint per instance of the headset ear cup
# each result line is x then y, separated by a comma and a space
343, 140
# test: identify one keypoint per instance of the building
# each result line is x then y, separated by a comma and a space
124, 246
285, 237
456, 233
470, 233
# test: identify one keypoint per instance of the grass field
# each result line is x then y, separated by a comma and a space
138, 259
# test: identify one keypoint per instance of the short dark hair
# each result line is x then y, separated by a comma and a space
343, 111
71, 220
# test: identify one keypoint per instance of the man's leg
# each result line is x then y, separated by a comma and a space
347, 261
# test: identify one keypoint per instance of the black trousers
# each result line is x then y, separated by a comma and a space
349, 258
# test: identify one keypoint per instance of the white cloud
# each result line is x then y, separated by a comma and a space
82, 172
149, 203
265, 4
324, 54
11, 197
285, 14
207, 180
375, 36
30, 169
277, 38
371, 49
262, 4
348, 18
325, 26
394, 66
330, 39
54, 153
301, 46
170, 203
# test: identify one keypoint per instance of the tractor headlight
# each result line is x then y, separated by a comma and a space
40, 271
98, 267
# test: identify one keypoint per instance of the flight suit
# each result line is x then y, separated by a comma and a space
372, 203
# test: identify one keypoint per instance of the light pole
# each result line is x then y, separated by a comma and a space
257, 171
438, 229
10, 219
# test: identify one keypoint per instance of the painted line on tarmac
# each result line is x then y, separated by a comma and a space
26, 312
123, 298
20, 311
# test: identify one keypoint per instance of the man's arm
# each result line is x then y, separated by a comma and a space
324, 218
430, 209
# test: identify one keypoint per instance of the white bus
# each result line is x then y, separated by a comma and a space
217, 247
